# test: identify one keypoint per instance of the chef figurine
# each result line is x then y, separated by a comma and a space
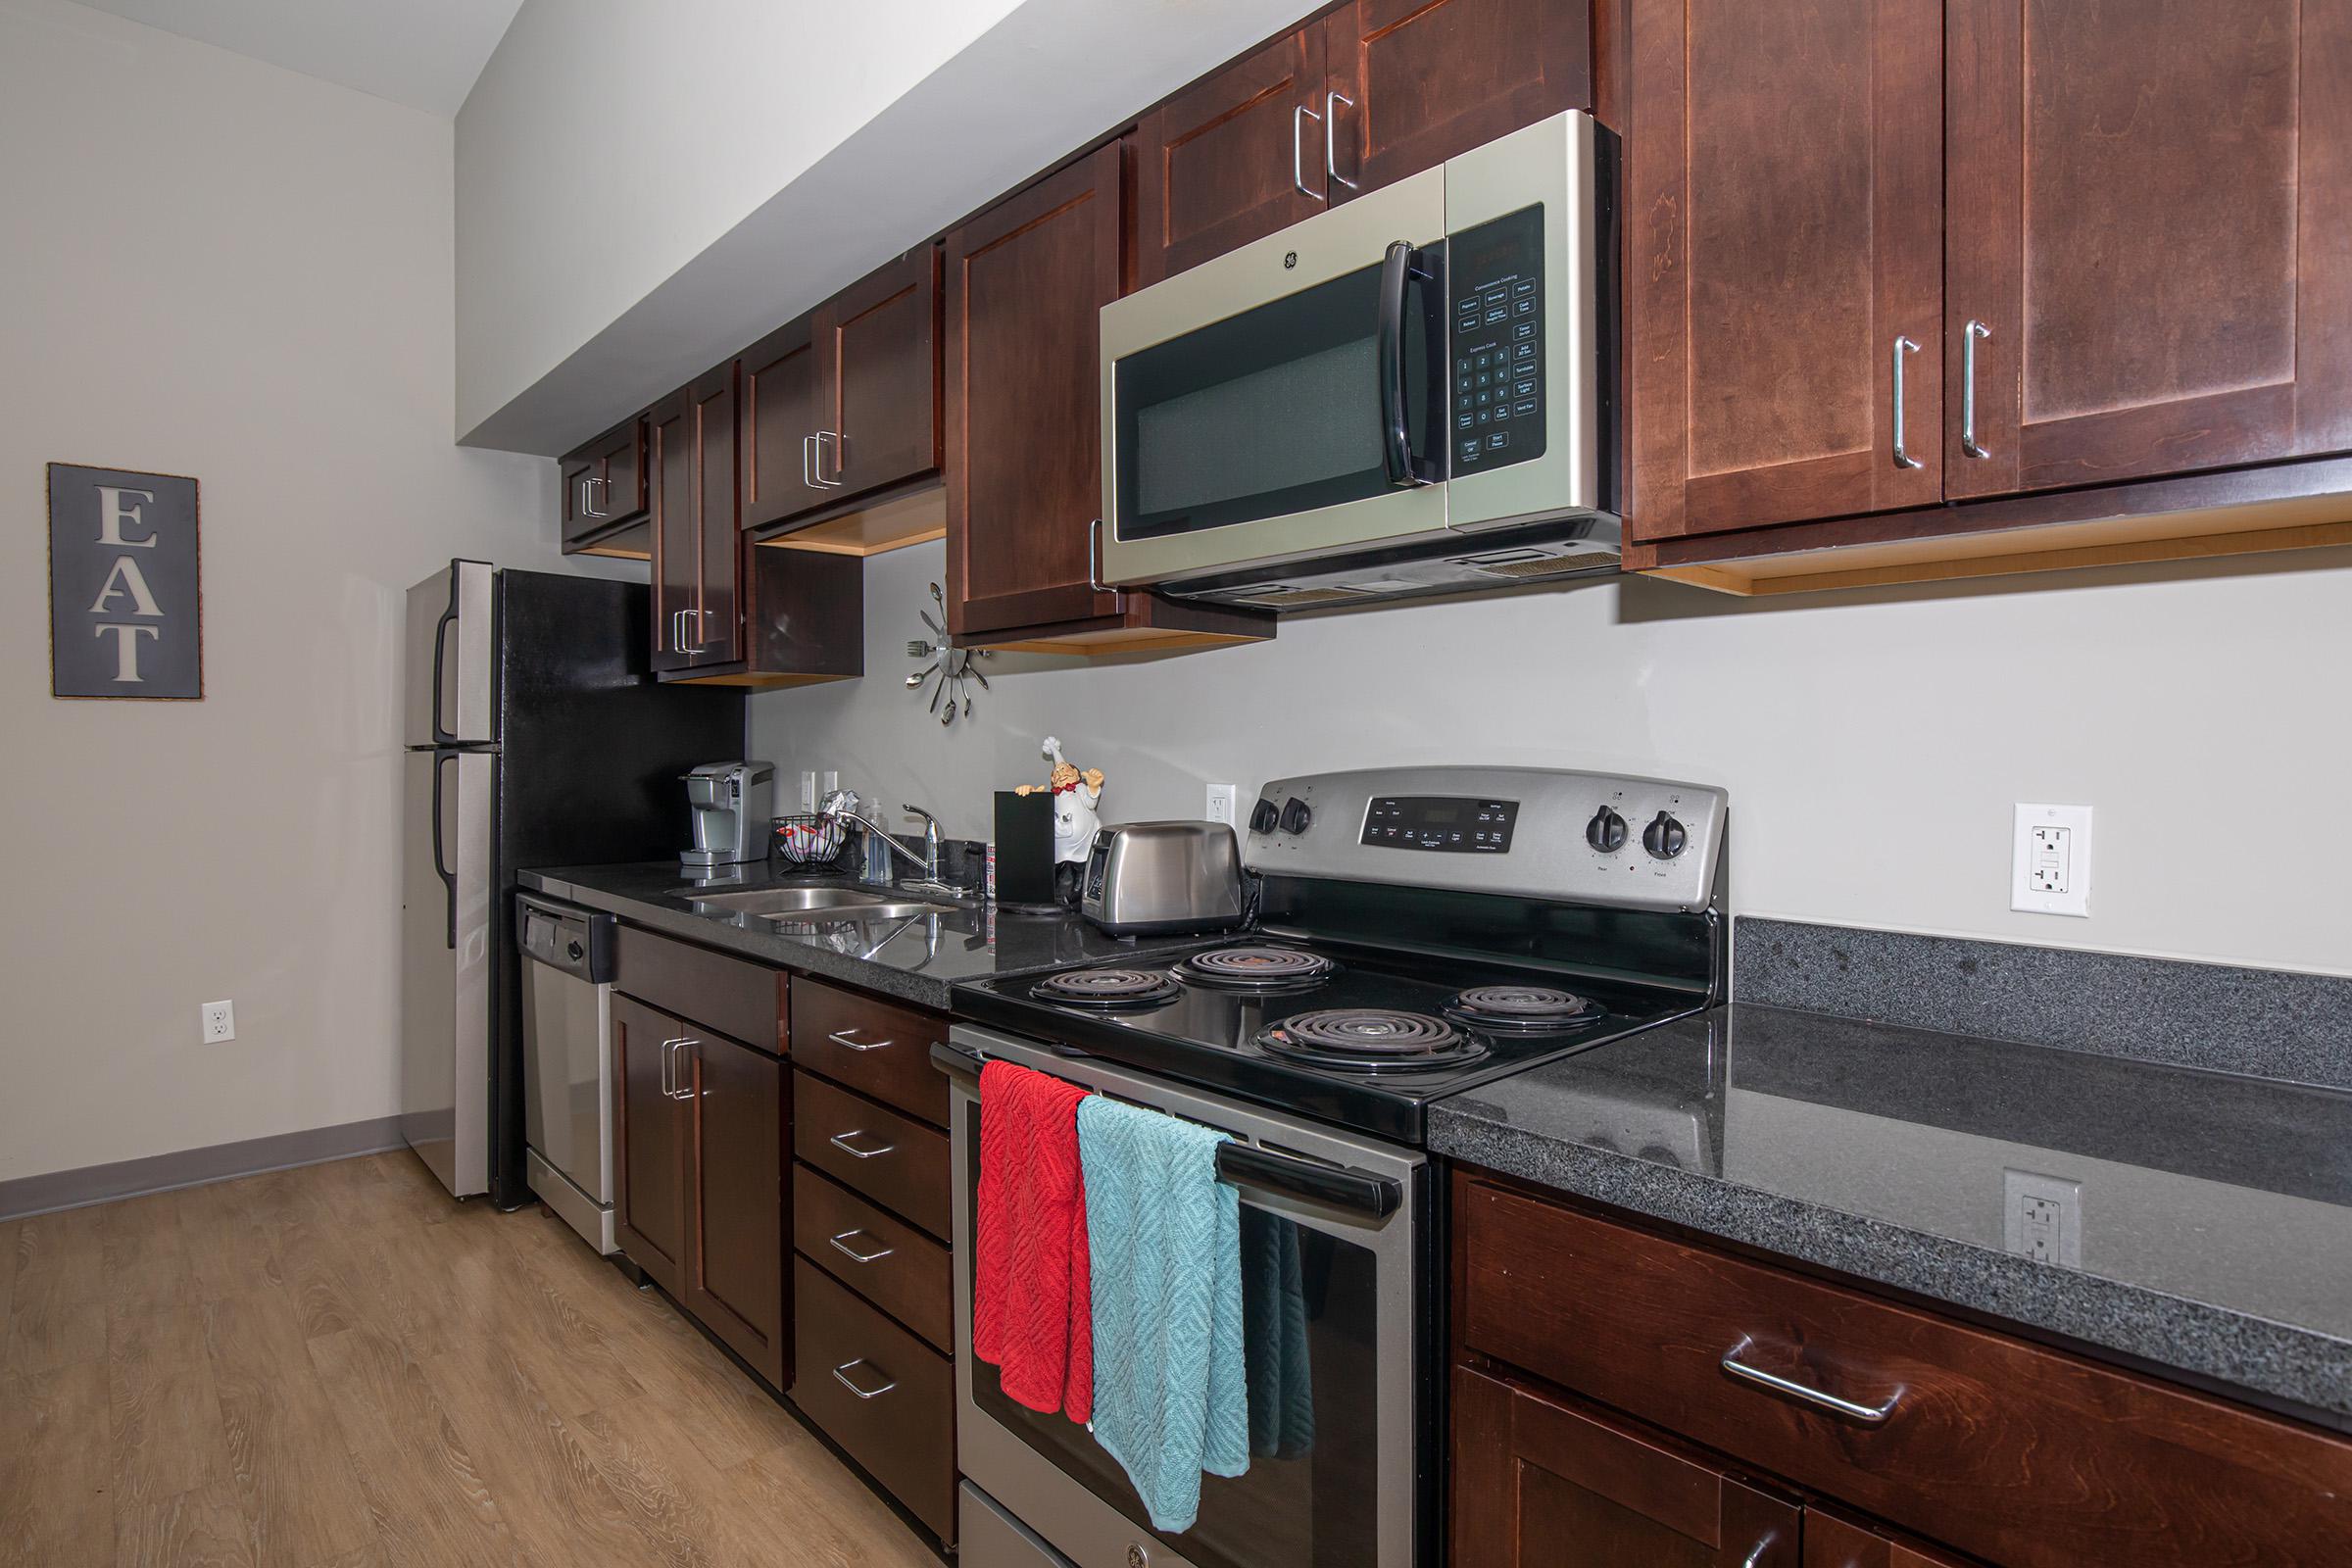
1076, 796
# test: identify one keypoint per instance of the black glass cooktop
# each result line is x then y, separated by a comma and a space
1357, 1036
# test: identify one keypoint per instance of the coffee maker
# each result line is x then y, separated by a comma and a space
732, 802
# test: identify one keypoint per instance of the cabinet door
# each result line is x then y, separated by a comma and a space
1233, 157
650, 1141
619, 474
1784, 207
2150, 211
1834, 1543
576, 472
878, 358
1412, 82
779, 426
1539, 1483
715, 625
735, 1280
1025, 282
677, 551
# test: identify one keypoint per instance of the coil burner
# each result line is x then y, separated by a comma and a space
1255, 967
1370, 1040
1106, 988
1525, 1009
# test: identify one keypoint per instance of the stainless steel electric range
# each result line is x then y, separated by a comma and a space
1418, 932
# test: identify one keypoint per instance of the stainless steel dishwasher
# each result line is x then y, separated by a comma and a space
568, 1060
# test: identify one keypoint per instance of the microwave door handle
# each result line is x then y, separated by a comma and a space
1398, 271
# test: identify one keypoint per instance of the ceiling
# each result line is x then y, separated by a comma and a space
421, 53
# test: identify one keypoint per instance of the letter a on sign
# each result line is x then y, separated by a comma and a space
125, 606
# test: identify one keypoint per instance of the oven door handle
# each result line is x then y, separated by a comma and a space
1398, 270
1359, 1191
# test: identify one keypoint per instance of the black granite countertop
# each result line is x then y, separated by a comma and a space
2214, 1210
917, 958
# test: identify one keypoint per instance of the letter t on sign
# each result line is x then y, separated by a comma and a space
125, 599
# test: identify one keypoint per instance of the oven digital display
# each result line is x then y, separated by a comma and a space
1452, 825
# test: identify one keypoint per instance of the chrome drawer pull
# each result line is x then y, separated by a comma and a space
1868, 1414
840, 1141
841, 1246
841, 1038
841, 1375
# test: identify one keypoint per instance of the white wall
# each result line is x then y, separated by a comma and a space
221, 268
1873, 744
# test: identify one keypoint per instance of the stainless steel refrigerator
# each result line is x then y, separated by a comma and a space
534, 735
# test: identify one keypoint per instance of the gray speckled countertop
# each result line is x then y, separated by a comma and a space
2215, 1210
915, 959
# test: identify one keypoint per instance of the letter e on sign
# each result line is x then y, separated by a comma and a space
125, 600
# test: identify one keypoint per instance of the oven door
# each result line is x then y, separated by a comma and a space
1334, 1300
1283, 399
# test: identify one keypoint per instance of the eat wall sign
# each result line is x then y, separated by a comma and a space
124, 610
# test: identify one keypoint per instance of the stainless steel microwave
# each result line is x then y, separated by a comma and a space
1413, 392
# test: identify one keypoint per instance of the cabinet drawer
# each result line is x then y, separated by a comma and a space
742, 1000
897, 1161
888, 1398
2031, 1457
872, 1045
879, 1255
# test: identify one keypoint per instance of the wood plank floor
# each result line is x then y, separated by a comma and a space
337, 1367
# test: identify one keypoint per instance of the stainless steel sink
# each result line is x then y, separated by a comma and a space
806, 904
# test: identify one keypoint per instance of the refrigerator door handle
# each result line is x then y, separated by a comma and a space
442, 735
449, 879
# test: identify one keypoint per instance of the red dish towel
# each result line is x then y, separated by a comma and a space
1032, 1310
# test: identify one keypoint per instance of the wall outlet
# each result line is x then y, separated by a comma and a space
807, 790
1222, 799
220, 1021
2050, 862
2042, 1218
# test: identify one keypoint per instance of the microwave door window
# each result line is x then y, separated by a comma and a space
1271, 411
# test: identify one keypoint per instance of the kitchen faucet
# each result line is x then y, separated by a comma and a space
927, 862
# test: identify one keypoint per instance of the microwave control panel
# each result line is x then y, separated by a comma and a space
1495, 283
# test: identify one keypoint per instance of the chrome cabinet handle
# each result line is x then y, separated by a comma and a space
841, 1245
1903, 346
841, 1375
1331, 126
808, 478
579, 497
1762, 1547
683, 1090
1299, 116
840, 1141
1869, 1415
678, 642
588, 505
1968, 387
840, 459
668, 1089
841, 1038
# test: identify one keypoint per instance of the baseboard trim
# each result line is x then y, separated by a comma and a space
194, 1168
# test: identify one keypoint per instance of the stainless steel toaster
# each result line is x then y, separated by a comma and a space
1153, 878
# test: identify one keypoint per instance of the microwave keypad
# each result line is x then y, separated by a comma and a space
1497, 333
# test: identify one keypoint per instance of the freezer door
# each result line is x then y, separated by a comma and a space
446, 963
451, 651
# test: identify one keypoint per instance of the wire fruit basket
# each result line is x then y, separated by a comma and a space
808, 837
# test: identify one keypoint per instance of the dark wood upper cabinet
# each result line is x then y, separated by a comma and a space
1785, 205
716, 621
1409, 83
604, 488
780, 392
1542, 1484
1025, 280
878, 357
676, 547
1232, 158
2149, 213
735, 1284
649, 1143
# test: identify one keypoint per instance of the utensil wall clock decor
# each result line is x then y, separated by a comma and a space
948, 669
125, 605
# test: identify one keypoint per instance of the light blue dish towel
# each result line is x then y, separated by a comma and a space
1163, 1239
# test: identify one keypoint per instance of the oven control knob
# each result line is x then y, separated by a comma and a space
1607, 831
1137, 1556
1295, 815
1264, 817
1664, 837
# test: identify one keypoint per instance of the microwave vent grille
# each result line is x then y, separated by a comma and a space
1549, 566
1302, 597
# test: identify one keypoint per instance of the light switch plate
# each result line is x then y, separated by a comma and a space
2049, 865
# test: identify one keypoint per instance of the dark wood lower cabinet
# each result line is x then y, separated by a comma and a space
1834, 1543
735, 1284
649, 1143
1539, 1483
888, 1398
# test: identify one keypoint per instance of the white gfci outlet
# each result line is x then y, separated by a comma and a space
2042, 1218
219, 1020
1222, 799
807, 790
2050, 862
